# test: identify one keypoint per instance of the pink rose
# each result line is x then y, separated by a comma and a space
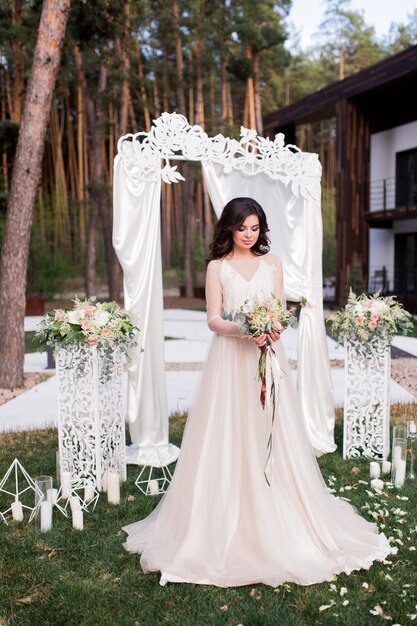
89, 310
92, 341
358, 320
374, 317
369, 303
85, 324
372, 324
59, 315
105, 332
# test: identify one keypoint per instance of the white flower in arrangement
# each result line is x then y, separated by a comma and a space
74, 317
101, 318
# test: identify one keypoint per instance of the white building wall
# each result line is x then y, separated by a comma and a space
384, 147
381, 254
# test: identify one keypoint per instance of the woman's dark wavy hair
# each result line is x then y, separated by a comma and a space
234, 214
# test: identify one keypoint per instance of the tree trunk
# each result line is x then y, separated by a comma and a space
125, 96
143, 93
257, 92
250, 95
199, 112
179, 59
25, 178
18, 75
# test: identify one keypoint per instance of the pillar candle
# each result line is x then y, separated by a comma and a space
399, 473
386, 467
51, 495
154, 487
88, 493
78, 520
66, 481
374, 469
46, 516
397, 454
376, 483
413, 428
113, 488
75, 503
17, 511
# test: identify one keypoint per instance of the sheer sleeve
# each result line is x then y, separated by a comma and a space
279, 280
214, 299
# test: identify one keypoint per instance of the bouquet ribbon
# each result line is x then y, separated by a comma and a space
269, 374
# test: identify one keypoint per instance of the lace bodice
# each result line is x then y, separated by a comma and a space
230, 282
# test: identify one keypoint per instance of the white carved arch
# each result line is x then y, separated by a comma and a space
230, 168
172, 137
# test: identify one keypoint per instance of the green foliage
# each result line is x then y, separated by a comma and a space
67, 577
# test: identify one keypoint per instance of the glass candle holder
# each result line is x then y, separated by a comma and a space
43, 504
399, 455
411, 436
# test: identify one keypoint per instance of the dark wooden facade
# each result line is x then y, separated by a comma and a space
375, 99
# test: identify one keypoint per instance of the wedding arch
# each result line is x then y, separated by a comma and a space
286, 182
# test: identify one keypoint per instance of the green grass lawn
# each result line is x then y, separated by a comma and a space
68, 577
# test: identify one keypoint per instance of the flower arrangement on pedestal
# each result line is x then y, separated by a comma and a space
371, 317
102, 324
367, 326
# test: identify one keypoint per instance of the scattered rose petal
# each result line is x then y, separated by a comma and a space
343, 591
377, 610
224, 607
345, 602
324, 607
365, 585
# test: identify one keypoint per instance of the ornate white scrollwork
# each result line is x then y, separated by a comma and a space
91, 425
171, 136
367, 409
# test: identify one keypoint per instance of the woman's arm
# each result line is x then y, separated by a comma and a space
214, 299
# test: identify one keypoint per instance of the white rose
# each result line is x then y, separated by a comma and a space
101, 318
74, 317
379, 307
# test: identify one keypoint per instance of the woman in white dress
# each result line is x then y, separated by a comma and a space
220, 522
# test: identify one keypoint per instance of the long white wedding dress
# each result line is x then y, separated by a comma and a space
219, 522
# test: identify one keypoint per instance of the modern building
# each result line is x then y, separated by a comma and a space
376, 187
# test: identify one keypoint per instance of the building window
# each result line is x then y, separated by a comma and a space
405, 273
406, 179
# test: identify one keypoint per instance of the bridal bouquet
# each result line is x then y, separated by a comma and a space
102, 324
255, 318
370, 317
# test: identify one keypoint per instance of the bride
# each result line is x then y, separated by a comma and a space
220, 522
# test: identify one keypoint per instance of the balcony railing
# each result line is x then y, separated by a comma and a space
382, 194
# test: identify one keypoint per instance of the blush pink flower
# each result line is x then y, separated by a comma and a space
59, 315
374, 317
358, 320
369, 303
372, 324
105, 332
92, 341
85, 324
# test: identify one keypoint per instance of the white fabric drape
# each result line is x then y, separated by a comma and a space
296, 237
137, 241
